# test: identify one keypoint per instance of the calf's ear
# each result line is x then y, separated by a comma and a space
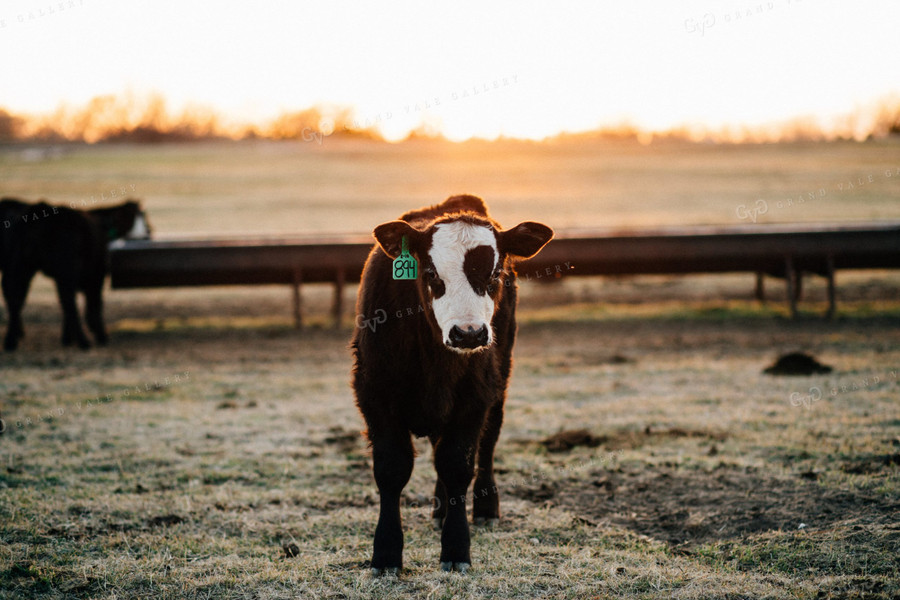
390, 237
525, 239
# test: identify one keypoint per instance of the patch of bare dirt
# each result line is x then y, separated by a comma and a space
571, 438
165, 520
688, 507
566, 440
538, 495
106, 525
344, 440
588, 359
867, 465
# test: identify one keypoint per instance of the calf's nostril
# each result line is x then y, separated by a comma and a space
469, 337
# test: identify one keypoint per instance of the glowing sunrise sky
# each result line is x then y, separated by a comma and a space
538, 68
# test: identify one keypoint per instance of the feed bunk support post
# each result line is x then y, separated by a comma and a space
791, 280
831, 299
338, 307
297, 299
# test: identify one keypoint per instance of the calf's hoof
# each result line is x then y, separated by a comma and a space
461, 567
395, 571
489, 523
11, 341
81, 342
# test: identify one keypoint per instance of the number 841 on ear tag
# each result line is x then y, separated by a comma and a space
405, 265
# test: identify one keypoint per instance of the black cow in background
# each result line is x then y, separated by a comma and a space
69, 246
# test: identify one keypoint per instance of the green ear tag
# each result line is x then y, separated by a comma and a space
405, 265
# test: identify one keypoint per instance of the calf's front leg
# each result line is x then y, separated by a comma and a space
454, 461
392, 458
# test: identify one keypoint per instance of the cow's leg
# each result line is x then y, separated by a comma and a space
392, 458
71, 330
15, 289
486, 498
93, 311
454, 460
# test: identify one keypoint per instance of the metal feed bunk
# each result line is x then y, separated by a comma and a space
784, 251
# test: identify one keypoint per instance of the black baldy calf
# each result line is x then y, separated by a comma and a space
438, 364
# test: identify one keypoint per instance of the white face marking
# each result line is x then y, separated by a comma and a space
139, 230
460, 305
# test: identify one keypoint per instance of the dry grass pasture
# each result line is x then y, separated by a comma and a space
211, 451
345, 186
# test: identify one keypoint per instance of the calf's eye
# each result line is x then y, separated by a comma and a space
434, 283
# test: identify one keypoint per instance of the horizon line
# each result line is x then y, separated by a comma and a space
125, 118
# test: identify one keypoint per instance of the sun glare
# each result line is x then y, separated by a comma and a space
751, 71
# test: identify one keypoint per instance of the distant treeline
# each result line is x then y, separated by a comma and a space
127, 119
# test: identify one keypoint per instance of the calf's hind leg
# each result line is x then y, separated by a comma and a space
439, 500
486, 498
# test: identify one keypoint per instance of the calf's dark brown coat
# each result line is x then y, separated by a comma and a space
409, 382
